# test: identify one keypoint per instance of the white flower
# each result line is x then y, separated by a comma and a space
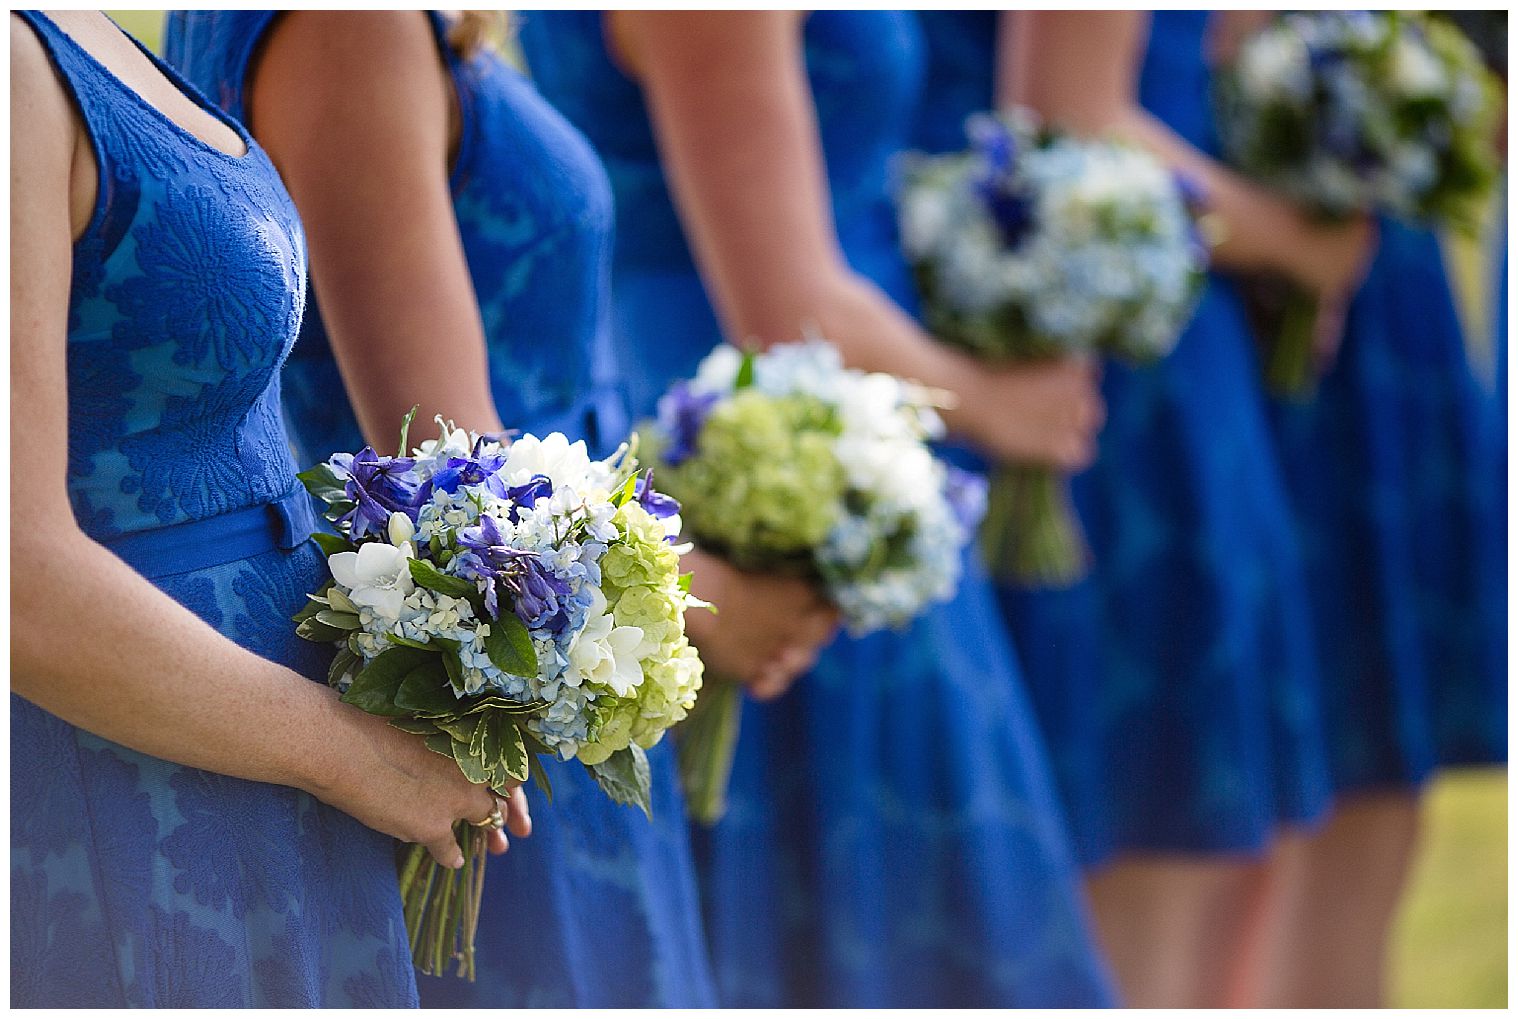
604, 653
432, 454
377, 576
718, 370
1414, 69
400, 529
566, 464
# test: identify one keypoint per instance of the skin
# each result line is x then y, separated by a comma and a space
335, 91
178, 689
1329, 928
737, 133
1181, 930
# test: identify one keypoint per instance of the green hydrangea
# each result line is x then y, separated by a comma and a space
765, 486
640, 575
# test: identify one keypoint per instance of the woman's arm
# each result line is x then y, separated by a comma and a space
1078, 69
737, 132
96, 644
354, 108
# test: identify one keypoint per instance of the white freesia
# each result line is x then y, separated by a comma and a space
606, 654
377, 576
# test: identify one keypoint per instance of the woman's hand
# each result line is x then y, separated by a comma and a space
1332, 266
767, 630
391, 782
1047, 413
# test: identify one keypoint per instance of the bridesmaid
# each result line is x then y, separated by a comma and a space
196, 820
1177, 685
461, 233
922, 860
1400, 495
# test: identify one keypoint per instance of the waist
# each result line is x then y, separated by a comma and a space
215, 541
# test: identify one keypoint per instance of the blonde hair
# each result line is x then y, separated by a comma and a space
472, 31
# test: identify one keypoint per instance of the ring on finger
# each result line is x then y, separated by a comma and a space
492, 821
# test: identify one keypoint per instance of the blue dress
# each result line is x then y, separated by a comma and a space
1402, 513
599, 907
134, 881
893, 838
1176, 685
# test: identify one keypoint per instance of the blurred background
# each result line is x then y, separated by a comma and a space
1451, 944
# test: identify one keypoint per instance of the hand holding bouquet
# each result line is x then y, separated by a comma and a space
788, 462
1351, 112
503, 602
1034, 245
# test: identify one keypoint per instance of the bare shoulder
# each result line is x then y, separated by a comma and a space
44, 123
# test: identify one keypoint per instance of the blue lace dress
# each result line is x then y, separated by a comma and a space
1176, 686
1401, 507
893, 837
599, 907
136, 882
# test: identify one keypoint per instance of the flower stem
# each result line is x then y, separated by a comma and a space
707, 740
1031, 536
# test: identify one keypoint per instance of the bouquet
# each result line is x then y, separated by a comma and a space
1035, 245
504, 602
1350, 112
788, 462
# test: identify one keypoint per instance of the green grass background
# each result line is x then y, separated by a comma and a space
1451, 939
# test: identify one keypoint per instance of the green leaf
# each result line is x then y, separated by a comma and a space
338, 620
511, 747
535, 751
339, 601
406, 429
539, 775
625, 493
509, 646
624, 777
415, 726
433, 579
339, 509
477, 738
314, 604
455, 668
473, 768
425, 691
745, 371
492, 703
322, 481
315, 630
374, 689
685, 581
396, 638
332, 544
439, 743
341, 664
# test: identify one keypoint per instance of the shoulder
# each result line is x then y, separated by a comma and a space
44, 122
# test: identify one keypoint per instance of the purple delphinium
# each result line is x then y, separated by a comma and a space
682, 413
1010, 205
966, 495
378, 486
658, 505
538, 596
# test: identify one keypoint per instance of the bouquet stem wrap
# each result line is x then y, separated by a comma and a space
442, 906
1032, 536
1283, 316
708, 741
